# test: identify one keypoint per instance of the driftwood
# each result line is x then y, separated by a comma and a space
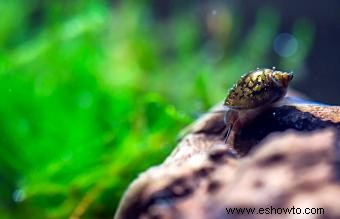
287, 157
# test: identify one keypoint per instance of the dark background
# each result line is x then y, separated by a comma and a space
321, 64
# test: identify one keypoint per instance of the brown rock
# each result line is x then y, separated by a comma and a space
287, 157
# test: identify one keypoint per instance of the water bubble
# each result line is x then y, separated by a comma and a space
212, 52
213, 12
273, 67
285, 44
23, 126
19, 195
85, 100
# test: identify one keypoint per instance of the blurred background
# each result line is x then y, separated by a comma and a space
94, 92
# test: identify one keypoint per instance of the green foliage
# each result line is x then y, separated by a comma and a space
92, 94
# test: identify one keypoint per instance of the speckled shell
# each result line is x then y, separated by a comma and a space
257, 88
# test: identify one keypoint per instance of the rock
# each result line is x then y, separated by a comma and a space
287, 157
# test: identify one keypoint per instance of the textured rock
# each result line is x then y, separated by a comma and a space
287, 156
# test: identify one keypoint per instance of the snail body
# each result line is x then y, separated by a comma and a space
253, 93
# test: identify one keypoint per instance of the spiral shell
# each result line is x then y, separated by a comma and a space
258, 88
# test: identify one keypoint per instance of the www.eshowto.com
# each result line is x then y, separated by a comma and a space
273, 210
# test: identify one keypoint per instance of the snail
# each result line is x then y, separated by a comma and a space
251, 95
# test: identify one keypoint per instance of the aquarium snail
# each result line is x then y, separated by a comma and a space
253, 93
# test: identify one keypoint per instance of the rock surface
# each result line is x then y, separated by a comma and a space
287, 157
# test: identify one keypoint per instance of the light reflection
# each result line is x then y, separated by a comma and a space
19, 195
285, 44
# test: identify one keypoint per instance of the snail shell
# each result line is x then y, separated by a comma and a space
251, 95
257, 88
